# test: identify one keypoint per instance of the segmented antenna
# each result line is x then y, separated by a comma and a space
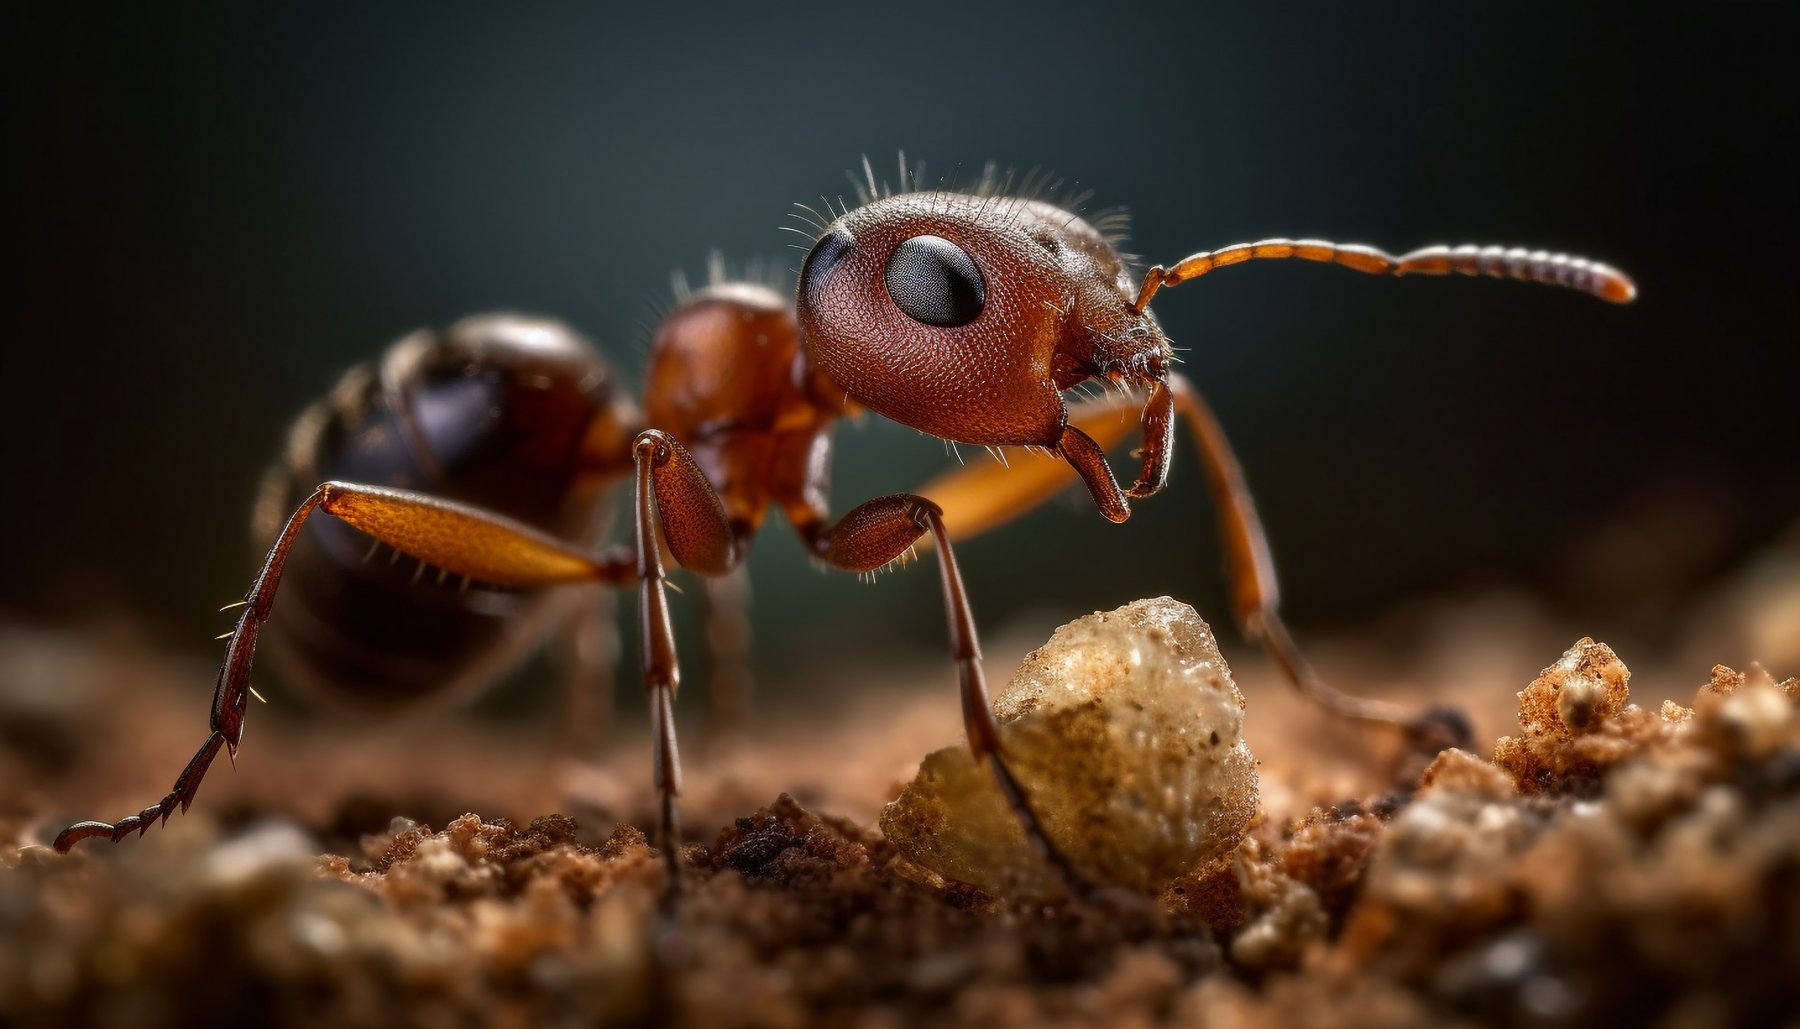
1591, 277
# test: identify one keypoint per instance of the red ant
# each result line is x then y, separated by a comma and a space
963, 315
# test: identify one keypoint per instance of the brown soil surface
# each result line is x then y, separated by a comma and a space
1604, 855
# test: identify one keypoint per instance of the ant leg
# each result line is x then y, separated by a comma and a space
587, 653
880, 531
461, 539
675, 495
984, 496
1256, 595
726, 601
589, 646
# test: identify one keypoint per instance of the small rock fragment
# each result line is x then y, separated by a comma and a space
1574, 722
1460, 770
1749, 711
1125, 731
1277, 935
1575, 694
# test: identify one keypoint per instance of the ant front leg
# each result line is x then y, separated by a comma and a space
985, 496
877, 533
460, 539
1255, 593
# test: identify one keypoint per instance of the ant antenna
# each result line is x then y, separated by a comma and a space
1591, 277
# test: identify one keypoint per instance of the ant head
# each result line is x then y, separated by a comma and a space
967, 316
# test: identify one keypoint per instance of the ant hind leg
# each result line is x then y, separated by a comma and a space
460, 539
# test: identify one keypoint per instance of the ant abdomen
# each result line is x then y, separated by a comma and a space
516, 415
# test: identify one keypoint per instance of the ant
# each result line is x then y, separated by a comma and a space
965, 315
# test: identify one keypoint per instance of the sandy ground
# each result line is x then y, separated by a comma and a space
446, 872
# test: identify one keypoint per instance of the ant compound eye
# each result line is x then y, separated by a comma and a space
826, 255
933, 281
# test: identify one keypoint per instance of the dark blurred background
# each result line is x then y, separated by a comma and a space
214, 213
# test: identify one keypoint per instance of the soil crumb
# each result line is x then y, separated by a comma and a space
1602, 863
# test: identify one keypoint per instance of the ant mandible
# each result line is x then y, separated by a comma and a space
965, 315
